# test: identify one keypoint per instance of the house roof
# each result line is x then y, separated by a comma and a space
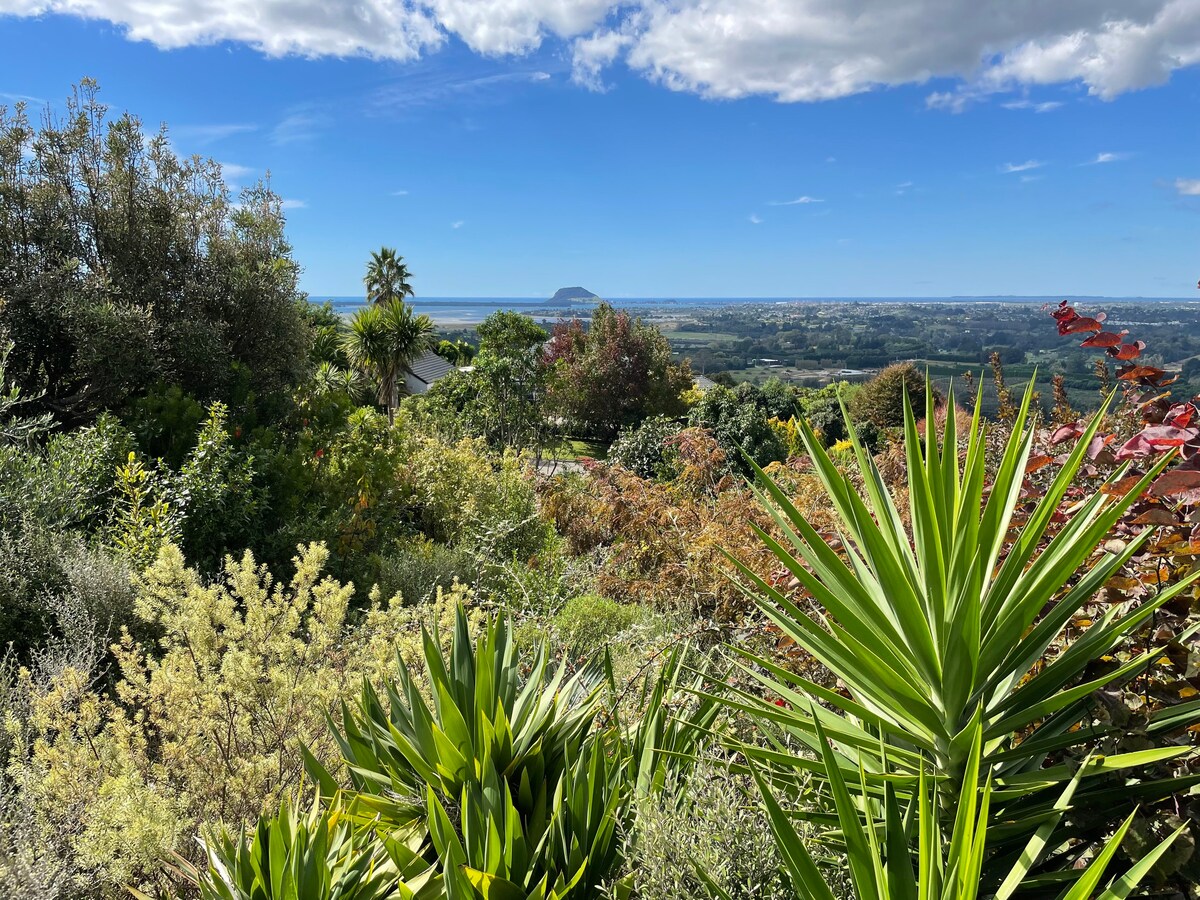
429, 367
703, 384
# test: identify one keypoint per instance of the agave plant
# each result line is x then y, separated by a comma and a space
933, 632
946, 866
487, 713
566, 848
520, 792
335, 853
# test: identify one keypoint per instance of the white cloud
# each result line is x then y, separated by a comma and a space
296, 127
294, 204
204, 134
385, 29
950, 101
591, 55
459, 224
1188, 187
399, 193
792, 50
20, 98
1009, 168
438, 87
817, 50
496, 27
1043, 107
755, 220
235, 174
1102, 158
799, 201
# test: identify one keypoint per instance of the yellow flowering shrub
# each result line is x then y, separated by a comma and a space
205, 722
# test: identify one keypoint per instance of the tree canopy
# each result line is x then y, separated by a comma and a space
122, 265
616, 372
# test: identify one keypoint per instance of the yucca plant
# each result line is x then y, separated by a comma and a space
674, 721
943, 618
335, 853
945, 866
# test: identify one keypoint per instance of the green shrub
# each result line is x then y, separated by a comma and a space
165, 421
536, 586
29, 569
590, 621
217, 492
69, 483
204, 720
465, 495
56, 592
822, 409
644, 450
712, 821
880, 401
415, 569
738, 425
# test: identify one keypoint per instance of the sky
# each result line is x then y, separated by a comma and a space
691, 148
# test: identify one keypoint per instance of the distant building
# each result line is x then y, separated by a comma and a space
424, 371
703, 384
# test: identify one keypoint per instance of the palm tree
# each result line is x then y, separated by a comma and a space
387, 277
384, 340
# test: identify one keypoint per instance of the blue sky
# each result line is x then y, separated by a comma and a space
644, 156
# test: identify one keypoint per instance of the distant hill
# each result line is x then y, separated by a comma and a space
573, 293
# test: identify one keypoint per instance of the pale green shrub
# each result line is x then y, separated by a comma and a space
714, 821
206, 721
590, 621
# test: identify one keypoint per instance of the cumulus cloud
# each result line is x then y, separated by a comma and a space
383, 29
792, 50
817, 50
496, 27
294, 204
591, 55
1188, 187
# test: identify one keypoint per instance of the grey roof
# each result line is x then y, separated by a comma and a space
429, 367
703, 383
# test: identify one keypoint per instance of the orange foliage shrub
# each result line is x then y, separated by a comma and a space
665, 543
